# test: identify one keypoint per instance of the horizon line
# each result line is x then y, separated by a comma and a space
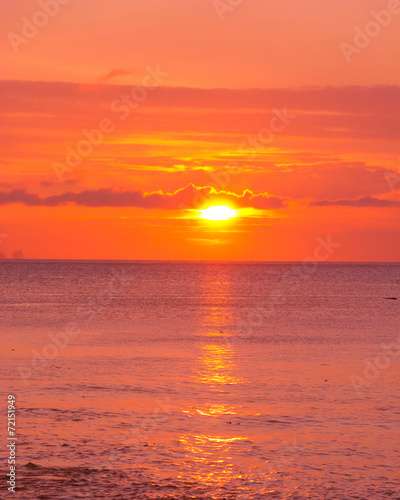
198, 261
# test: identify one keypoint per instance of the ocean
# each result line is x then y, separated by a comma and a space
201, 380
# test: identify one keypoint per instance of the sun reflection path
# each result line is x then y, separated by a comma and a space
218, 453
216, 367
209, 458
216, 461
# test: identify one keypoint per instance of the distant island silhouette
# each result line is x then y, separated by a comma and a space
17, 255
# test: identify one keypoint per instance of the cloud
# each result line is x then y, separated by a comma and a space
365, 202
115, 73
333, 180
217, 126
188, 197
350, 100
20, 196
352, 111
70, 182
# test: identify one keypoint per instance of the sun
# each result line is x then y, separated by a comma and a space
218, 212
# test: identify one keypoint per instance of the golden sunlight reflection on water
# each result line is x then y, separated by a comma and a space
211, 460
216, 367
221, 456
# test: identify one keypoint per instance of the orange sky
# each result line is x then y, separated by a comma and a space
122, 119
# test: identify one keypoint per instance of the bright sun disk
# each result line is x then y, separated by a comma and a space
218, 212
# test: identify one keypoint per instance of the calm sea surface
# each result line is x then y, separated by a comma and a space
202, 380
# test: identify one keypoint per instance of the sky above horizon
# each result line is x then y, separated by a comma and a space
123, 120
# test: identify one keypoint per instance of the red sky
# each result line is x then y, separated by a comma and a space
274, 108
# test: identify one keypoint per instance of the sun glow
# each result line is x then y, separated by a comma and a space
218, 212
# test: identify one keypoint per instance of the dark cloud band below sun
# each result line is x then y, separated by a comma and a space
188, 197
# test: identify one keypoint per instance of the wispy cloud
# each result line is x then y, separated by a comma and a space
114, 73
